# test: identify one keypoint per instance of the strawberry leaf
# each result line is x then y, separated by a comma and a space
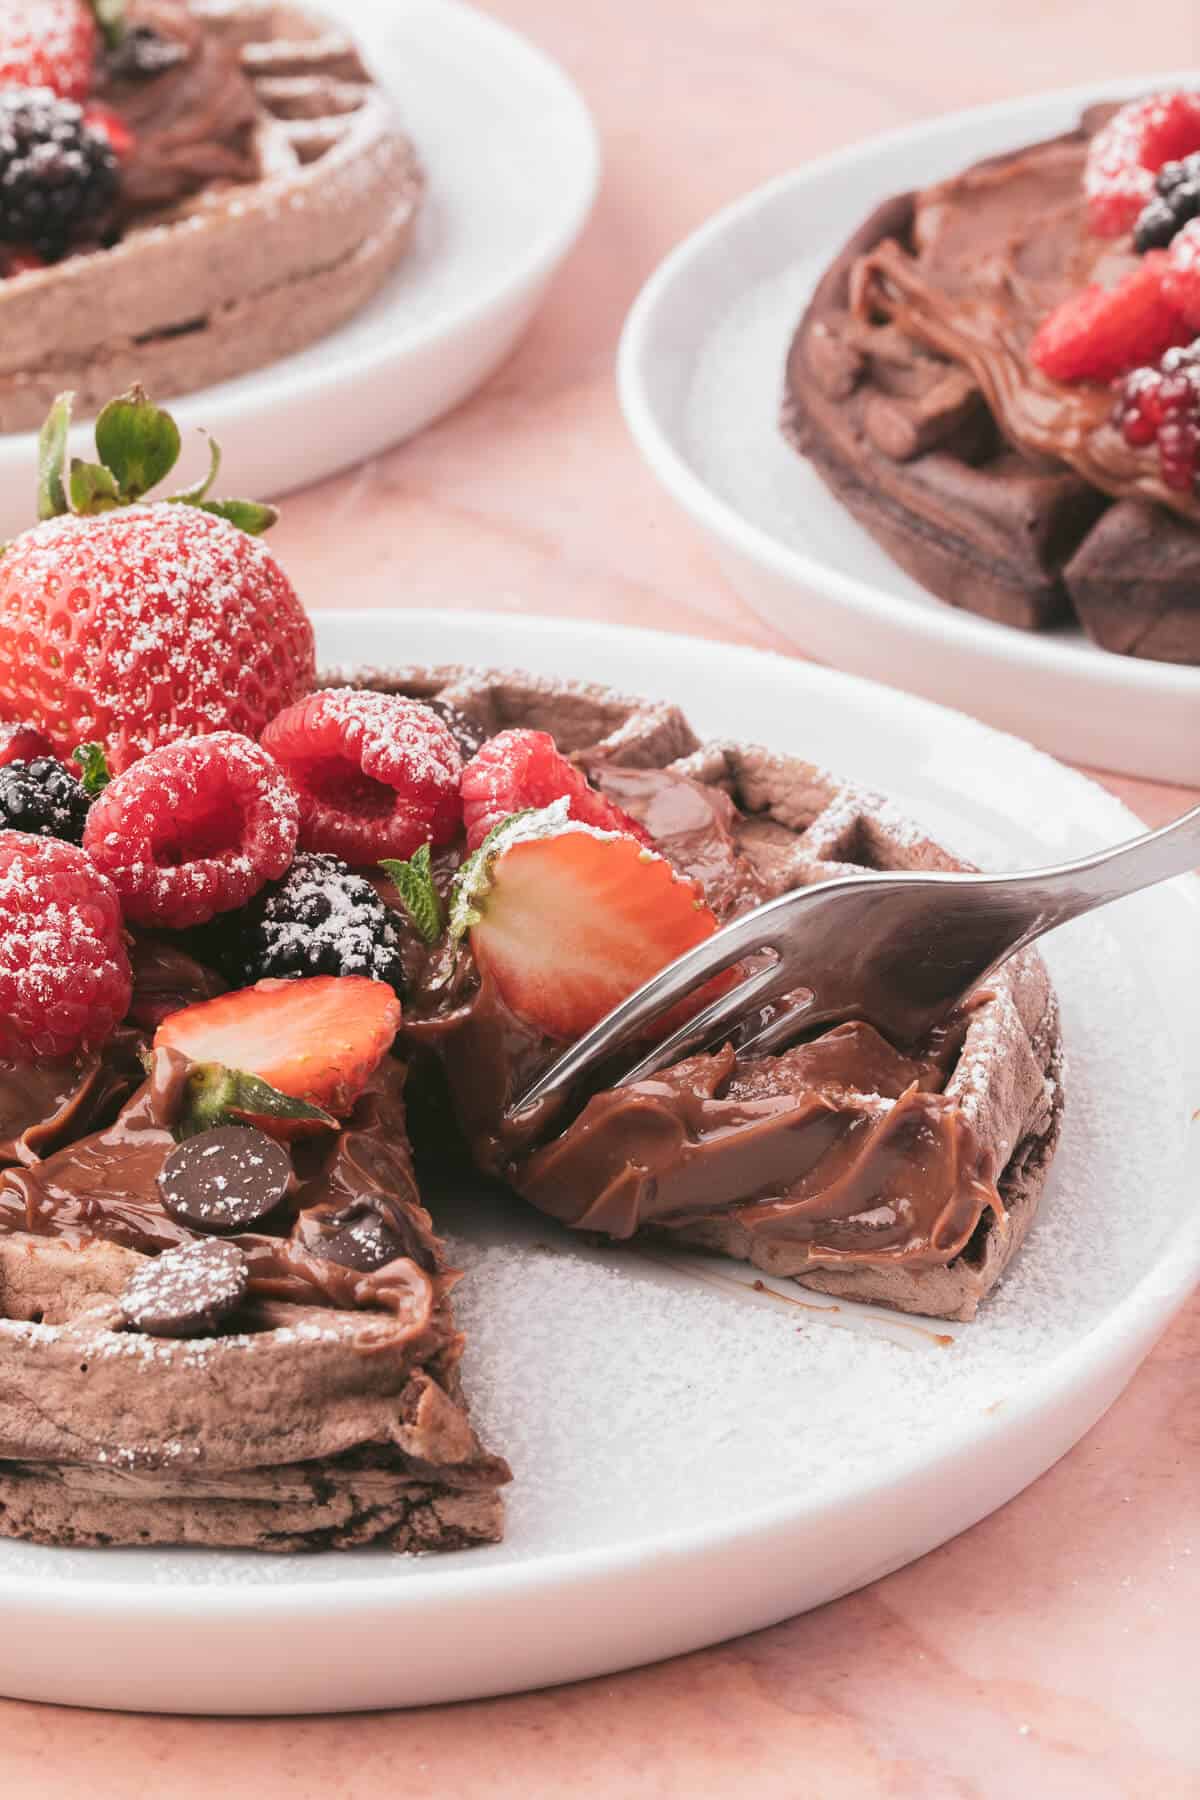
93, 488
52, 459
138, 441
110, 17
215, 1095
93, 763
413, 882
200, 491
250, 516
473, 882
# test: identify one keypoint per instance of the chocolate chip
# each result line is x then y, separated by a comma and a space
223, 1180
187, 1292
364, 1242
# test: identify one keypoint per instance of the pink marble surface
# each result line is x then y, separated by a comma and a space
1050, 1651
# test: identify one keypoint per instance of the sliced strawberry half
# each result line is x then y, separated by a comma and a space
568, 921
317, 1041
518, 770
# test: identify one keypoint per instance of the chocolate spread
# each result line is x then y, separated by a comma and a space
990, 254
104, 1186
194, 118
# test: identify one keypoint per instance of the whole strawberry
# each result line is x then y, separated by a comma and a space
49, 44
133, 623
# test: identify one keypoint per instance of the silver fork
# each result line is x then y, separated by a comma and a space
898, 951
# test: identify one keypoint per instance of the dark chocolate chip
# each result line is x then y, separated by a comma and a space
224, 1180
187, 1292
364, 1242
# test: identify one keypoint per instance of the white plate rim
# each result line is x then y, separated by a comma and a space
1018, 649
1139, 1317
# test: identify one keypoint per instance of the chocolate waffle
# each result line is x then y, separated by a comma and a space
909, 388
270, 195
750, 824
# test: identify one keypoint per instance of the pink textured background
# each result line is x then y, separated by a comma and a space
1051, 1650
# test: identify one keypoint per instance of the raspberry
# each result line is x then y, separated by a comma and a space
64, 974
1099, 333
1118, 179
43, 798
1162, 405
519, 769
377, 774
138, 627
21, 743
193, 830
319, 920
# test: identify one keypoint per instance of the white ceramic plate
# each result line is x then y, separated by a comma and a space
694, 1459
513, 165
701, 375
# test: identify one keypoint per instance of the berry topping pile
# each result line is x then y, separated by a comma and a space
1125, 154
64, 973
377, 775
518, 770
193, 830
44, 798
49, 44
320, 919
318, 1042
58, 174
1161, 405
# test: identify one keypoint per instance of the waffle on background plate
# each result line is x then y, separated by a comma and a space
335, 1421
306, 201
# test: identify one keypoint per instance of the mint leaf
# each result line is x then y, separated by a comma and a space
250, 516
93, 763
52, 459
215, 1095
200, 491
93, 489
473, 882
413, 881
138, 441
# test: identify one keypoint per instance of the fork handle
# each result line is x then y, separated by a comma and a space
1093, 881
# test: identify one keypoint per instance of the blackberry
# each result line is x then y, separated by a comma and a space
43, 798
320, 919
1176, 200
58, 176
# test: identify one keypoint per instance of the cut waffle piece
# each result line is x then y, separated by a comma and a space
792, 825
245, 272
298, 1426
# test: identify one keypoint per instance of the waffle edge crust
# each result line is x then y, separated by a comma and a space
315, 1429
244, 274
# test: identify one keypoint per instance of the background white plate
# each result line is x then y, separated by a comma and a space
694, 1459
513, 165
701, 374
